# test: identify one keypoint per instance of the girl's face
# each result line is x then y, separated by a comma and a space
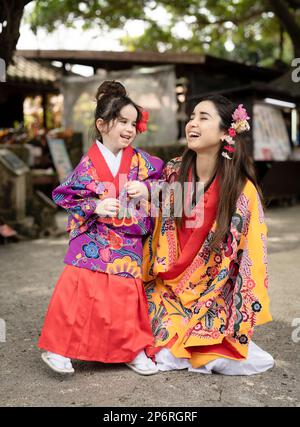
203, 129
121, 132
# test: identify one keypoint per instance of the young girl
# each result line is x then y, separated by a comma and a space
207, 284
98, 310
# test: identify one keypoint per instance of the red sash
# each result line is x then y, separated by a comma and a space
102, 168
191, 239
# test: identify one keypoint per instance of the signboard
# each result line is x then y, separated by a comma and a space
12, 162
60, 157
271, 139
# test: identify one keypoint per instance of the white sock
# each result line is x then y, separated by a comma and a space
59, 361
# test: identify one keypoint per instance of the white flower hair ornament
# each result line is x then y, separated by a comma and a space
239, 125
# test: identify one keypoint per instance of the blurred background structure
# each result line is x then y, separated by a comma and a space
168, 56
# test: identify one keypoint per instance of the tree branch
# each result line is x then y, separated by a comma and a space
287, 19
202, 19
295, 4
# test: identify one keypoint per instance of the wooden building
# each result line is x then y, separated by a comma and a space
25, 78
200, 75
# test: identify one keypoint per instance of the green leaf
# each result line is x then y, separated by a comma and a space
196, 26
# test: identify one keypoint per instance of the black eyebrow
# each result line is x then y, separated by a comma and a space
204, 112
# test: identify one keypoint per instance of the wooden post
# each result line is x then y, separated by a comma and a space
45, 107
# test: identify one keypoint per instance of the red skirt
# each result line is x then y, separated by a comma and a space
97, 316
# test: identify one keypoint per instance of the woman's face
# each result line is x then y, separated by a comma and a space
203, 129
121, 132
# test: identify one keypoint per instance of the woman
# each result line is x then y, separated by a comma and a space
206, 272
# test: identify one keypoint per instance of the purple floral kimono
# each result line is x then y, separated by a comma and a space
109, 245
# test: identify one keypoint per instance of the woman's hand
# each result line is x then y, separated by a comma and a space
136, 189
107, 207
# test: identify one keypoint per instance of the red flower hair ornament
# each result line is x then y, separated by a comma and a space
240, 124
141, 125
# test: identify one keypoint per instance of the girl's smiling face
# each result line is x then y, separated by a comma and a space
203, 131
121, 132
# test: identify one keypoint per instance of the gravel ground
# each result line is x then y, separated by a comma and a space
29, 271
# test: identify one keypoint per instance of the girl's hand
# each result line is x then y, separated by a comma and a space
107, 207
136, 189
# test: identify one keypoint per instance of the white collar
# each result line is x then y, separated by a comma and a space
113, 161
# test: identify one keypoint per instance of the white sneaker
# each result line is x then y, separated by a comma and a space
143, 365
58, 363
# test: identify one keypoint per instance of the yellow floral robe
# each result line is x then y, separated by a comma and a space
210, 310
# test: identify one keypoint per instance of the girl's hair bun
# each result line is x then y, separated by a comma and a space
110, 87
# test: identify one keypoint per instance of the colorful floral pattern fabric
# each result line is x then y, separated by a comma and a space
221, 296
109, 245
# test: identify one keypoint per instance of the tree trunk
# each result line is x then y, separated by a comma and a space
11, 12
281, 42
281, 10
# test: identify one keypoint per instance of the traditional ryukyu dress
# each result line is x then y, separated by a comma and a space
98, 310
204, 304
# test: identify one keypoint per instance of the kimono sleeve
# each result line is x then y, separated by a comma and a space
76, 196
154, 178
168, 174
254, 264
150, 173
